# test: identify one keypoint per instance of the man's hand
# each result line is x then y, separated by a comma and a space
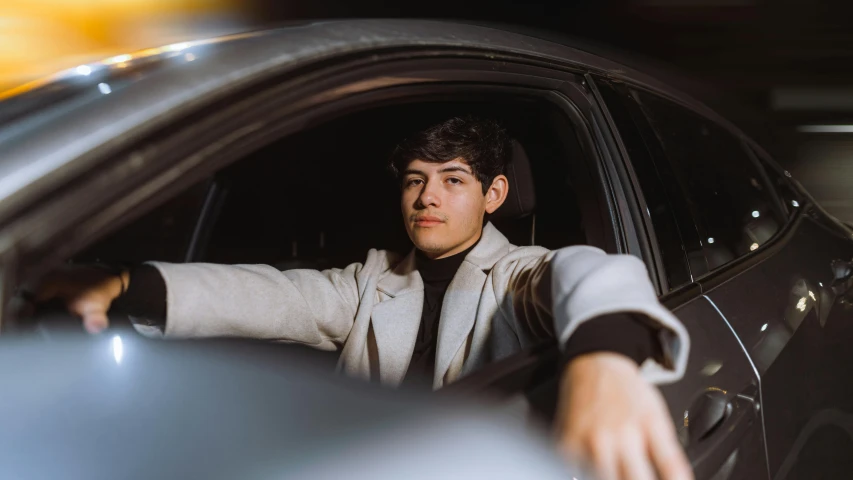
618, 423
87, 292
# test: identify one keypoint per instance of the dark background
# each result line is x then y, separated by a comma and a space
773, 67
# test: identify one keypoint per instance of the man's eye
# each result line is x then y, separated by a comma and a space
454, 181
413, 181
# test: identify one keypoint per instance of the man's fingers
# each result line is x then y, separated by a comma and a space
93, 313
668, 456
634, 461
603, 455
95, 322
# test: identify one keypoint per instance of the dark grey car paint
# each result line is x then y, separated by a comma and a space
799, 334
40, 154
717, 362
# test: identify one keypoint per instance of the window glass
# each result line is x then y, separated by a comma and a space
733, 205
655, 192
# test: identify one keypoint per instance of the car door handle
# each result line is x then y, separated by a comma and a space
706, 413
716, 428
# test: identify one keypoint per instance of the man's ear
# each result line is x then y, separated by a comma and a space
496, 194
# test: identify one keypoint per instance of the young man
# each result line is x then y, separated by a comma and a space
464, 297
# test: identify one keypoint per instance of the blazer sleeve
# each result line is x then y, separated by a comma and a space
311, 307
581, 283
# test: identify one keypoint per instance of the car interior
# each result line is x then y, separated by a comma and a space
324, 196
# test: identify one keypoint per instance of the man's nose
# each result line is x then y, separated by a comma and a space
429, 197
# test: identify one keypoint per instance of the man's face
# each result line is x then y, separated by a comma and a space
443, 205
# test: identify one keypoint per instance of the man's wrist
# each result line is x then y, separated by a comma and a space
118, 280
144, 299
614, 358
123, 277
589, 367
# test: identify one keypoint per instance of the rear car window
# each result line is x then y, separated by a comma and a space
733, 205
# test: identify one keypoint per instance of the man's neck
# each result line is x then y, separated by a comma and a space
439, 271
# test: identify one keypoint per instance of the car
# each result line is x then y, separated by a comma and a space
255, 148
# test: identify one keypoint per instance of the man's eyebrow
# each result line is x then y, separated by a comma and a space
455, 168
452, 168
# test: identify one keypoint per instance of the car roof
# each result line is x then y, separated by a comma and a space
100, 102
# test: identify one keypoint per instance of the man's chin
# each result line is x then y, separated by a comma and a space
428, 245
431, 248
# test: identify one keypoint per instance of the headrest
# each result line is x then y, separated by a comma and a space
521, 200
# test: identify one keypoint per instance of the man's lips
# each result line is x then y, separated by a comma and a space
428, 220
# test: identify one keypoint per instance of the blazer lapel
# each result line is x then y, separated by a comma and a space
396, 320
459, 309
458, 313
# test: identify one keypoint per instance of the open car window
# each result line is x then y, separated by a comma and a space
323, 197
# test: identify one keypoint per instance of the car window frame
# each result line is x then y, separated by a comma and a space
556, 87
647, 222
175, 159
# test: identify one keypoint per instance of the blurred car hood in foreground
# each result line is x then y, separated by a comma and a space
126, 407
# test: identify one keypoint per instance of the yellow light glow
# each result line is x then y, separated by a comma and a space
41, 37
176, 47
811, 294
753, 247
801, 305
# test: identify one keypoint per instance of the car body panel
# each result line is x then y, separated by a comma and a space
798, 331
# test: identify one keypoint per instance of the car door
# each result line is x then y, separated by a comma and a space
716, 406
808, 396
777, 270
779, 299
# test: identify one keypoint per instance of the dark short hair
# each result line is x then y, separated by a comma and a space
481, 142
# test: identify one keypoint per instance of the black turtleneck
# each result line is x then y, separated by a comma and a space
436, 275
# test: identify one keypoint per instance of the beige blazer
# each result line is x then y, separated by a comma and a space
502, 299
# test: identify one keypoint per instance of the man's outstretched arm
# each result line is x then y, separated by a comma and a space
207, 300
617, 342
610, 414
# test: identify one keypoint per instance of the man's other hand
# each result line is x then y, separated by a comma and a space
87, 292
616, 422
